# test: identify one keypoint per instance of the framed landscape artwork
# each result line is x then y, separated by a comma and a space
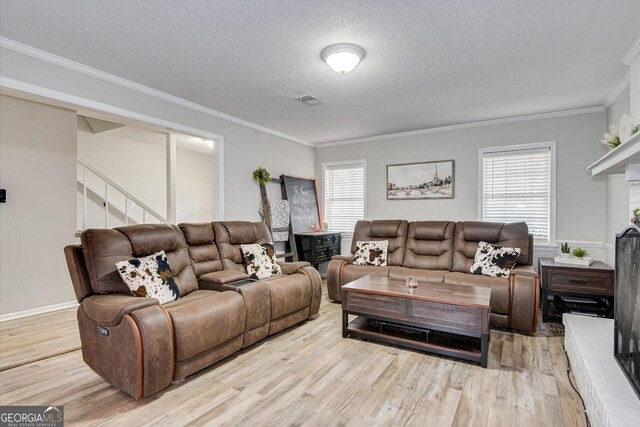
426, 180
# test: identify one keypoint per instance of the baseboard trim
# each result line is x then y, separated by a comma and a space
38, 310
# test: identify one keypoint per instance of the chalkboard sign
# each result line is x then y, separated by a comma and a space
303, 202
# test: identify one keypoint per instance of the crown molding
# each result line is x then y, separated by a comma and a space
128, 84
617, 91
110, 78
632, 53
468, 125
71, 101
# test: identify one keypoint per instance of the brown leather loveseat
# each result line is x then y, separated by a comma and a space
443, 251
274, 303
140, 346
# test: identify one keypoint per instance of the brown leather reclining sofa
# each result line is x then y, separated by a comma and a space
443, 251
140, 346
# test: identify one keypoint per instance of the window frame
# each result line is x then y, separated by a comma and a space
551, 145
325, 165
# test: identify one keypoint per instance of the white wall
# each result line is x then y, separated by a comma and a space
250, 150
194, 186
617, 187
139, 167
581, 198
37, 167
245, 148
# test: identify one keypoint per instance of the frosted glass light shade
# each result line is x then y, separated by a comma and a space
342, 58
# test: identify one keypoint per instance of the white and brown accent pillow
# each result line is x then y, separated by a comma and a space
371, 253
150, 277
494, 261
260, 260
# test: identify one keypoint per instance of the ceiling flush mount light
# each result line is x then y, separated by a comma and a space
343, 57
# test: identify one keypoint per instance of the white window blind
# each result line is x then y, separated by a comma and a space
344, 196
516, 186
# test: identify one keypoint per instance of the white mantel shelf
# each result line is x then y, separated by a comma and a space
615, 160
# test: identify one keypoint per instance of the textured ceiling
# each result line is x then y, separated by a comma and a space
428, 64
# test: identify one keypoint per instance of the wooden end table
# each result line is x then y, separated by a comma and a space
594, 282
452, 320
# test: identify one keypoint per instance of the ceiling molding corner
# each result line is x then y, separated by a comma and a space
128, 84
514, 119
72, 101
617, 91
632, 53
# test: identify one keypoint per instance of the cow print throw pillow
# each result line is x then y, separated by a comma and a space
371, 253
495, 261
150, 277
260, 260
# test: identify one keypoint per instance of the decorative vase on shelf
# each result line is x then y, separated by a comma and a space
611, 139
625, 128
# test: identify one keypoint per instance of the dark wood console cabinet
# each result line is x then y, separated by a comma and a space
594, 282
317, 247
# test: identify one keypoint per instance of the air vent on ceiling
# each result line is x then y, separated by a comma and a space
309, 100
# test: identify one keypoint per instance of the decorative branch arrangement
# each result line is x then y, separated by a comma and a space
261, 176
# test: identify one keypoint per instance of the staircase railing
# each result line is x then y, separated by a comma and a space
105, 189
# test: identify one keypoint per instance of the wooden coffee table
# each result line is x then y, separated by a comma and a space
452, 320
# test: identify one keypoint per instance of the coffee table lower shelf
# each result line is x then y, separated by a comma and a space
464, 347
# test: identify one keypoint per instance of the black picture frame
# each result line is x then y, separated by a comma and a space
421, 180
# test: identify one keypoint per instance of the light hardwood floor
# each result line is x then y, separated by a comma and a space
38, 337
310, 375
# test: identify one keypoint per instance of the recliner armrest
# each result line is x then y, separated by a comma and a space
524, 270
292, 267
334, 275
525, 299
108, 309
316, 288
206, 281
348, 258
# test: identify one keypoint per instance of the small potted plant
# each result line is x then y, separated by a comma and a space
635, 219
580, 253
565, 250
